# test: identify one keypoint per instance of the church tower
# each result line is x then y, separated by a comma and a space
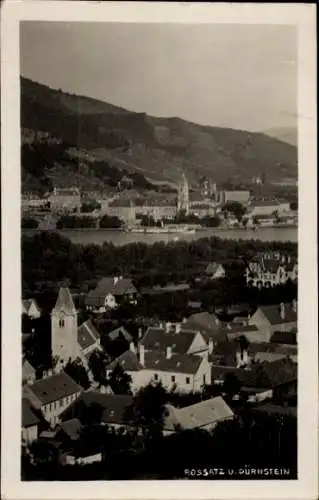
183, 196
64, 328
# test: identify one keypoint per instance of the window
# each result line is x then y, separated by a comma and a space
204, 379
188, 380
155, 376
173, 378
61, 323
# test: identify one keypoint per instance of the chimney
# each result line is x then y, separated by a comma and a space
283, 259
161, 325
140, 333
168, 352
167, 327
177, 327
210, 346
115, 280
184, 320
294, 306
141, 354
282, 310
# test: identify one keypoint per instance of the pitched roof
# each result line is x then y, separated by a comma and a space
115, 334
115, 286
87, 334
178, 363
53, 388
251, 332
269, 357
72, 428
128, 361
205, 323
27, 369
210, 411
272, 314
270, 374
29, 418
114, 406
26, 304
158, 339
64, 302
212, 268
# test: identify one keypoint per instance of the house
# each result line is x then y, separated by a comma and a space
109, 293
186, 372
88, 338
28, 372
182, 341
215, 271
266, 207
30, 422
269, 379
234, 331
265, 274
204, 415
129, 362
107, 409
269, 319
65, 199
271, 269
31, 308
205, 323
52, 395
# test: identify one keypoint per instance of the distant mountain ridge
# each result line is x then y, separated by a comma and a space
285, 134
158, 148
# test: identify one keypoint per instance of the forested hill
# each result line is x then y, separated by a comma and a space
156, 148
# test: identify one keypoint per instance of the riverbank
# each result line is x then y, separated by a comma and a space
118, 237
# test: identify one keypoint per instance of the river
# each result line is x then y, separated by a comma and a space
118, 238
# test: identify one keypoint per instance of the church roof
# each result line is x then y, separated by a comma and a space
64, 302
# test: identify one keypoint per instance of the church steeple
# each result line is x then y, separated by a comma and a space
64, 328
183, 196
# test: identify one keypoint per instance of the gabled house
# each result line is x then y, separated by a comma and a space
214, 271
105, 409
204, 415
234, 331
182, 341
269, 379
109, 293
31, 308
205, 323
30, 422
271, 269
269, 319
52, 395
28, 373
186, 372
88, 338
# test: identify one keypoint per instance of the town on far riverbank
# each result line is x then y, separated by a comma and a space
179, 212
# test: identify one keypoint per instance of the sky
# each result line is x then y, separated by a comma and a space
237, 76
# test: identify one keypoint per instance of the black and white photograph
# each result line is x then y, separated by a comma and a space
159, 214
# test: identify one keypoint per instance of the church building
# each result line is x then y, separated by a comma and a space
68, 342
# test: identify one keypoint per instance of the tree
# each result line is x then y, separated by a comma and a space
98, 362
43, 453
231, 385
148, 411
77, 371
29, 223
108, 222
119, 381
235, 208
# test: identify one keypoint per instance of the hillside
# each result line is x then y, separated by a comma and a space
285, 134
158, 149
